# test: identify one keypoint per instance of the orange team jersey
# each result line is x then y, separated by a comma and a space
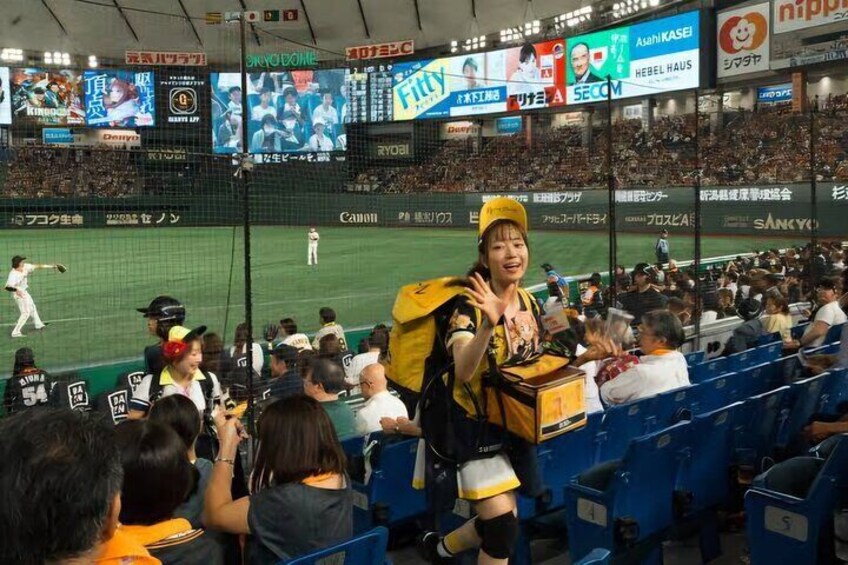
124, 549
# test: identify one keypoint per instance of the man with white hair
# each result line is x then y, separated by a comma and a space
379, 401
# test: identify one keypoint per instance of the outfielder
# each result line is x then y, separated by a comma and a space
312, 249
17, 283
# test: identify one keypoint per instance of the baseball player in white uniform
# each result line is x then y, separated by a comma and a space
17, 283
312, 250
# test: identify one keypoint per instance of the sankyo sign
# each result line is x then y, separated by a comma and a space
281, 60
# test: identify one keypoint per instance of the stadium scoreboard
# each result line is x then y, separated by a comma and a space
370, 93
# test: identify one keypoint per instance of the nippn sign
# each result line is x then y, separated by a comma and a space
792, 15
743, 42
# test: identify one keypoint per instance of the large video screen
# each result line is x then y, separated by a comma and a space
641, 60
48, 97
227, 102
119, 98
518, 78
297, 111
5, 97
182, 96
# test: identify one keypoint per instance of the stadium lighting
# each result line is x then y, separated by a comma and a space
454, 47
56, 58
573, 18
12, 54
520, 32
92, 61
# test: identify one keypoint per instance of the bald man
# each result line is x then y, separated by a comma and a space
379, 401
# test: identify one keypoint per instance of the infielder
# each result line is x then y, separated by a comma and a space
17, 283
312, 249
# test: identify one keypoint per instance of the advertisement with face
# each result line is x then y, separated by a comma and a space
47, 97
119, 99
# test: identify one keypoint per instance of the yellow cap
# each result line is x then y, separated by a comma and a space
180, 333
502, 208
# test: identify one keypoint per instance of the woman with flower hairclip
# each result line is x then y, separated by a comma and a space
181, 375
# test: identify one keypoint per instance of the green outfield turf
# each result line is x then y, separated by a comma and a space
91, 308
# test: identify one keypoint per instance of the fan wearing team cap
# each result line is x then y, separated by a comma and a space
497, 311
182, 352
17, 283
163, 313
644, 297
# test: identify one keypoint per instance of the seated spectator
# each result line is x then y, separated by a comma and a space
379, 402
681, 309
158, 478
327, 317
178, 413
644, 297
286, 380
292, 336
378, 343
726, 306
661, 367
829, 314
301, 498
747, 334
778, 319
48, 515
28, 386
330, 347
324, 382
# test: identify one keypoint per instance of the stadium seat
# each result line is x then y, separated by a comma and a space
833, 333
368, 548
631, 502
570, 454
620, 424
597, 556
710, 395
70, 390
708, 370
835, 391
129, 380
769, 352
669, 408
768, 338
804, 398
741, 360
388, 499
752, 381
787, 529
704, 480
798, 331
695, 357
252, 100
756, 427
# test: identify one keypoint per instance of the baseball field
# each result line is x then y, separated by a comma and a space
111, 272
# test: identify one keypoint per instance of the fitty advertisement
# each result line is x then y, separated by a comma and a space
641, 60
518, 78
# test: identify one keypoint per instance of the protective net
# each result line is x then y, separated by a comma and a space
150, 201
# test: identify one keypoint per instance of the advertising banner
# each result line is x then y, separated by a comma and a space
794, 15
458, 130
518, 78
793, 51
51, 98
119, 99
779, 93
57, 136
165, 58
743, 40
380, 50
642, 60
508, 126
182, 95
5, 97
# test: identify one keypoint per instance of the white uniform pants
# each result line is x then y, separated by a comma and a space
312, 253
26, 305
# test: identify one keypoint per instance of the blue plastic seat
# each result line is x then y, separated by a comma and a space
805, 397
711, 395
757, 425
742, 360
833, 333
669, 408
597, 556
368, 548
570, 454
835, 391
752, 381
708, 370
635, 504
620, 424
770, 351
768, 338
388, 498
798, 331
787, 529
695, 357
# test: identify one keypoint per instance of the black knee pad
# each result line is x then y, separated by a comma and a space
498, 535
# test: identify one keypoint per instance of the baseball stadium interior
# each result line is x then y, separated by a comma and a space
219, 214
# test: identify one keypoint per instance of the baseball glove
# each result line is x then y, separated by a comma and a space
270, 332
61, 268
